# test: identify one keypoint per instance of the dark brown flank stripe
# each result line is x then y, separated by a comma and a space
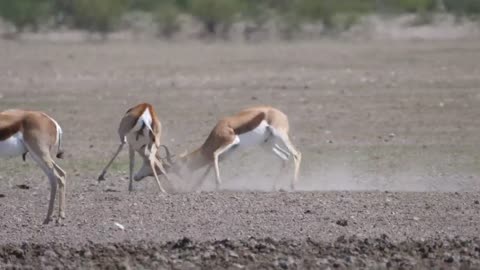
250, 125
8, 130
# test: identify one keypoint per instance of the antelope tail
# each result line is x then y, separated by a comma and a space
60, 151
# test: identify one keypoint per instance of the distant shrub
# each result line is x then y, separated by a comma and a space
415, 5
144, 5
25, 13
166, 15
288, 24
463, 7
335, 15
343, 21
256, 14
151, 5
422, 18
63, 11
97, 15
217, 16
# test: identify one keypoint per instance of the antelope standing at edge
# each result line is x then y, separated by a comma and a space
257, 126
33, 132
140, 127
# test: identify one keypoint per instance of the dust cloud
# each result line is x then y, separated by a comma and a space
259, 171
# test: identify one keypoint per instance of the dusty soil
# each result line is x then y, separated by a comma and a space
352, 252
371, 117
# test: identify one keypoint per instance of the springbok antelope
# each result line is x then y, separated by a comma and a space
36, 133
140, 127
257, 126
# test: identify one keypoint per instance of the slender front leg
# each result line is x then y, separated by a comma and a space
217, 172
131, 156
164, 173
101, 177
217, 153
153, 160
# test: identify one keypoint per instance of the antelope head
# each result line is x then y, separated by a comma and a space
168, 161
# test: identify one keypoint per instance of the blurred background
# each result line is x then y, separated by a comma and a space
228, 19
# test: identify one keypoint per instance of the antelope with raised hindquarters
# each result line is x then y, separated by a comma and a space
141, 129
257, 126
34, 132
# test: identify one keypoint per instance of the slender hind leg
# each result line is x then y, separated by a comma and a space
277, 149
297, 159
61, 176
101, 177
284, 160
285, 145
131, 156
280, 153
45, 162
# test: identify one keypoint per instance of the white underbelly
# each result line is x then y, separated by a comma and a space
255, 136
12, 146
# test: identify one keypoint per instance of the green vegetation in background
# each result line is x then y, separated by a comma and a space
402, 6
463, 7
97, 16
335, 15
166, 15
216, 16
25, 13
149, 5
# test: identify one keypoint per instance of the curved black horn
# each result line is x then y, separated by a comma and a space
167, 153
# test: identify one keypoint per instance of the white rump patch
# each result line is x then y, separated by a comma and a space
144, 119
59, 129
256, 136
263, 135
12, 146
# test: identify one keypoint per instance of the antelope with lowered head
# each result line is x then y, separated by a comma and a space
256, 126
34, 132
140, 127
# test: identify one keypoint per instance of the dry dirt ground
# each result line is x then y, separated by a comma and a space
389, 133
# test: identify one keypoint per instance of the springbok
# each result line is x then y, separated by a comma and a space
140, 127
257, 126
34, 132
